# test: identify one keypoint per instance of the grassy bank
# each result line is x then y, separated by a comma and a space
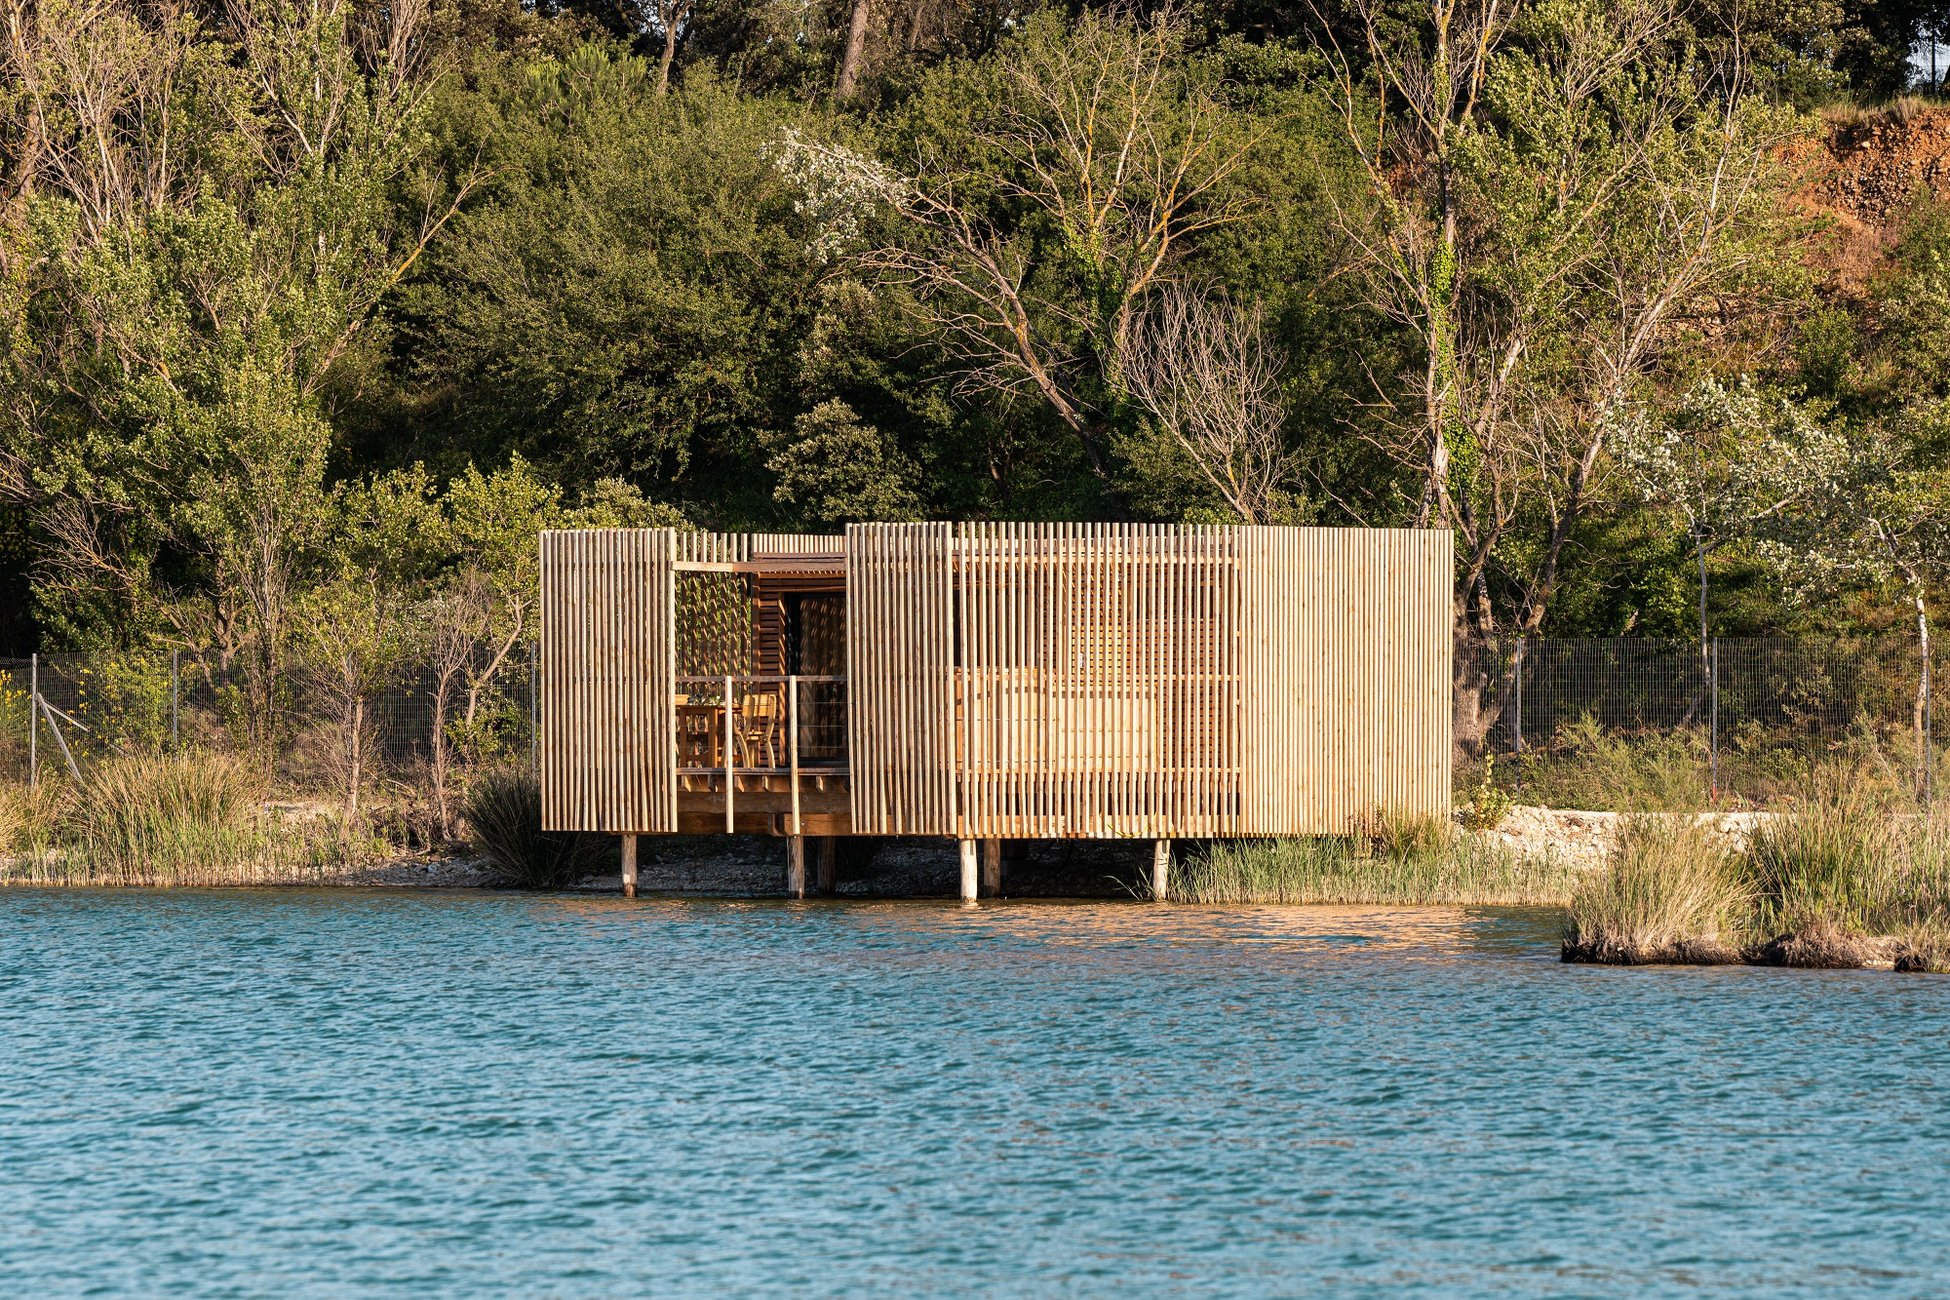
1843, 876
192, 819
1407, 861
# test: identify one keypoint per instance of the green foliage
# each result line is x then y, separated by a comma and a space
1489, 803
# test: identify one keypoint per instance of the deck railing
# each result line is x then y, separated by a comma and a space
761, 725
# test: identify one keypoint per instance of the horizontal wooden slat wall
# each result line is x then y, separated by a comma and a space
1348, 644
608, 740
1100, 688
900, 656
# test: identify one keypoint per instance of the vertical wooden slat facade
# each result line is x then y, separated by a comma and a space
900, 645
608, 744
1045, 680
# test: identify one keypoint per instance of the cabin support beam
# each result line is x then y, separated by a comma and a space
629, 866
795, 866
1160, 870
992, 868
829, 852
968, 876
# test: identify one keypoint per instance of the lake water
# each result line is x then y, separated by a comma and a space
390, 1093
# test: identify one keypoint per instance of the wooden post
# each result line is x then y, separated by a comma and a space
992, 868
829, 852
795, 866
629, 866
1160, 870
730, 776
792, 745
968, 871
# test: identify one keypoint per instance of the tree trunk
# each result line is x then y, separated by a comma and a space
355, 754
848, 80
669, 54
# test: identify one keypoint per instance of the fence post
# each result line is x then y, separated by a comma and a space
534, 709
175, 701
1516, 702
34, 721
1713, 726
1929, 746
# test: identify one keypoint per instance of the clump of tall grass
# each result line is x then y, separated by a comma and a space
1668, 892
1839, 877
189, 819
504, 825
29, 817
1828, 861
1396, 859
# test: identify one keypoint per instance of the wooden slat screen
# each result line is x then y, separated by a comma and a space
1347, 657
608, 742
900, 656
1099, 689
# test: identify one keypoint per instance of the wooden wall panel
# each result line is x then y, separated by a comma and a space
608, 741
900, 636
1349, 647
1098, 683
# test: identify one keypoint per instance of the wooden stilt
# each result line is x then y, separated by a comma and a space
992, 868
1160, 870
829, 852
629, 866
968, 877
795, 866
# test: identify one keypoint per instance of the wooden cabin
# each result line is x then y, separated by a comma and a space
991, 682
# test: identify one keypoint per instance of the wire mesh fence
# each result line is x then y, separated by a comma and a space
63, 712
1728, 698
1724, 702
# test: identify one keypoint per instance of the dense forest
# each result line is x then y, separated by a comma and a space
313, 311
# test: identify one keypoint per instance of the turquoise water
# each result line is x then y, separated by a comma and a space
338, 1092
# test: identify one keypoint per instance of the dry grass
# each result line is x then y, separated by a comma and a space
1669, 893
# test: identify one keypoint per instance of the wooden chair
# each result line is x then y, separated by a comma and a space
757, 728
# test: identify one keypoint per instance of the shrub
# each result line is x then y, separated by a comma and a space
184, 819
1668, 892
504, 823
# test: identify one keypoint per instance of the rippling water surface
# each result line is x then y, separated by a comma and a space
309, 1093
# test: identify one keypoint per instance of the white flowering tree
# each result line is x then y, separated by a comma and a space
1867, 512
1725, 460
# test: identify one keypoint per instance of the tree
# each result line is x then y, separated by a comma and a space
212, 216
1566, 202
1097, 155
1202, 368
1866, 511
1725, 461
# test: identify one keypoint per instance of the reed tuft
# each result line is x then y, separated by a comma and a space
1669, 892
191, 819
504, 821
1396, 860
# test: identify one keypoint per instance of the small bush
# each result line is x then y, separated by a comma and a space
185, 819
504, 821
1667, 893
